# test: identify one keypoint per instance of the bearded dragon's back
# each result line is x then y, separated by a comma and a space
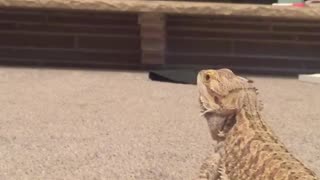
251, 149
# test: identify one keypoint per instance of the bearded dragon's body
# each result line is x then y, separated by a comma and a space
247, 149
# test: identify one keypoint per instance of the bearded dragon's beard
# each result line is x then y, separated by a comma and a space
215, 122
219, 124
204, 105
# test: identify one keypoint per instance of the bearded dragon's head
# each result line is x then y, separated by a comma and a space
219, 98
215, 86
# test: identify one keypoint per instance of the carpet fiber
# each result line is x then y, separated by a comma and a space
76, 124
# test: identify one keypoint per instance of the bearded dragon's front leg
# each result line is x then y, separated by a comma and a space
222, 172
209, 170
213, 167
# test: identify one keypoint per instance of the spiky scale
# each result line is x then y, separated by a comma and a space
250, 149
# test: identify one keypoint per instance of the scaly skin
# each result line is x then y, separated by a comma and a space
248, 149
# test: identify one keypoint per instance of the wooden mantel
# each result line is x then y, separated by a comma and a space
170, 7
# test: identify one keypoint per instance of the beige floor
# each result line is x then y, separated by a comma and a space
76, 124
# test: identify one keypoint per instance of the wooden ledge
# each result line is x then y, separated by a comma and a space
170, 7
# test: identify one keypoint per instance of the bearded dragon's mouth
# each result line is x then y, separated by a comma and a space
204, 106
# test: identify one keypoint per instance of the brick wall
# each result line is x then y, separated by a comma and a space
29, 36
58, 37
258, 44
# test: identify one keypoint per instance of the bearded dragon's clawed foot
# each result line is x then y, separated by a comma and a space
223, 174
209, 170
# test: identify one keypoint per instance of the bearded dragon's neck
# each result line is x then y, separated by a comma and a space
249, 114
248, 109
246, 100
250, 103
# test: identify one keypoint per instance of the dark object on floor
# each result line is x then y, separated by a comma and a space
184, 76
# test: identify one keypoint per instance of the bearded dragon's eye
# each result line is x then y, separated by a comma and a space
207, 77
216, 100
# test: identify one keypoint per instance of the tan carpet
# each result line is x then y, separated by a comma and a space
76, 124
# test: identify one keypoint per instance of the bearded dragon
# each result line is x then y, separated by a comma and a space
246, 148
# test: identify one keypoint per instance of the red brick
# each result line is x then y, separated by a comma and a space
212, 24
109, 43
21, 17
35, 40
195, 45
153, 57
276, 48
152, 31
296, 28
75, 56
7, 26
217, 18
158, 44
309, 38
235, 34
93, 20
241, 61
73, 29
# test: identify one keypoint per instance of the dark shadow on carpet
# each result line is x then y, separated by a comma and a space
182, 76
